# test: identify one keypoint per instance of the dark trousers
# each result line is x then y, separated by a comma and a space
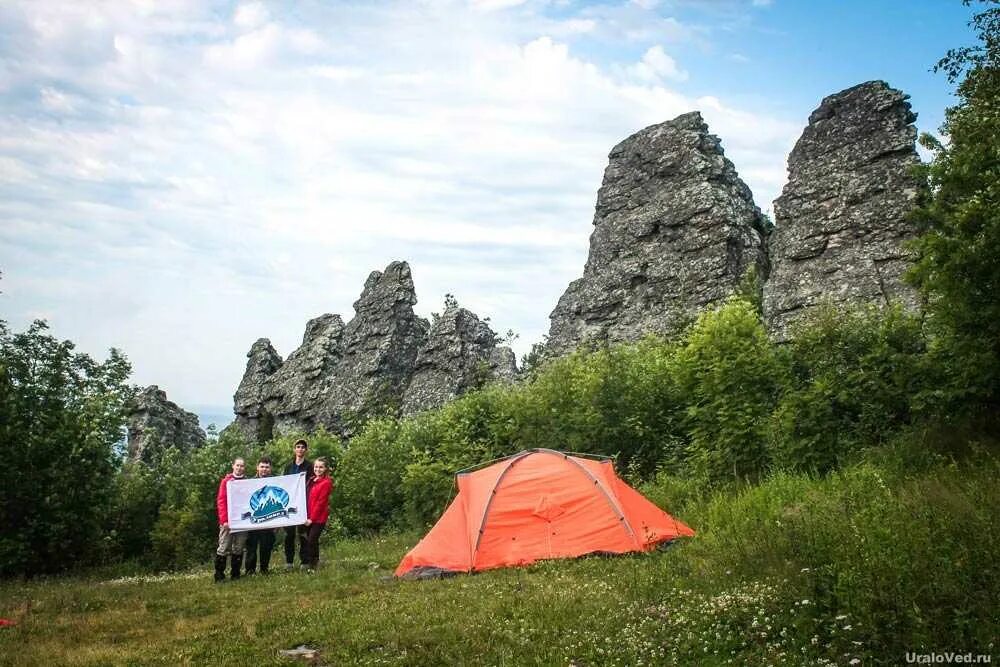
264, 541
290, 533
310, 555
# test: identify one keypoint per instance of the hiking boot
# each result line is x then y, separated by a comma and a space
235, 563
220, 568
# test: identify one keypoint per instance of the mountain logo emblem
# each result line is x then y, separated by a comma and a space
269, 502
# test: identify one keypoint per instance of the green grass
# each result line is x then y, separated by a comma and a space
859, 566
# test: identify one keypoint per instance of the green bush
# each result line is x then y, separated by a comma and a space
853, 377
958, 254
186, 527
368, 493
134, 507
730, 377
617, 401
477, 427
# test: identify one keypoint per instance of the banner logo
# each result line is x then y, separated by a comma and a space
268, 502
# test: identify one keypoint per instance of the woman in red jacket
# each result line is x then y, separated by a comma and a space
317, 510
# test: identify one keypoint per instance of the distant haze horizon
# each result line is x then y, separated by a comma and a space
219, 415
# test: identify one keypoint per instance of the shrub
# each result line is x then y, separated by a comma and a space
187, 524
730, 376
368, 492
853, 376
902, 561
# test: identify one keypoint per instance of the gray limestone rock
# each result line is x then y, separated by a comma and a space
841, 220
461, 354
380, 348
675, 230
154, 423
340, 373
383, 361
252, 419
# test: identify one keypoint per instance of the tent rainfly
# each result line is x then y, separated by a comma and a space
539, 504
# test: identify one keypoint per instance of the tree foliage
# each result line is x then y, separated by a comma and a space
959, 253
61, 424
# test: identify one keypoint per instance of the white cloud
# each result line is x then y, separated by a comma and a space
251, 15
57, 101
576, 26
657, 65
494, 5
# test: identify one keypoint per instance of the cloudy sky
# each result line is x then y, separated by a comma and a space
181, 177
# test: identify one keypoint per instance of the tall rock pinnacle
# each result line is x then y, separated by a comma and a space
675, 230
460, 354
841, 220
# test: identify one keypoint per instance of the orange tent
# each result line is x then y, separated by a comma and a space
535, 505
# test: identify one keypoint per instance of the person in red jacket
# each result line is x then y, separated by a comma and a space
317, 510
230, 544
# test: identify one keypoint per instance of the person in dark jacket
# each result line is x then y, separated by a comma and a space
230, 544
299, 464
318, 511
260, 540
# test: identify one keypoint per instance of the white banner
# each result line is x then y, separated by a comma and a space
266, 502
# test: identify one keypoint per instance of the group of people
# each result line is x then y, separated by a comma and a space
258, 544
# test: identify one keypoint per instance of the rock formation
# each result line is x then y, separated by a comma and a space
675, 230
460, 354
154, 422
250, 401
341, 374
840, 221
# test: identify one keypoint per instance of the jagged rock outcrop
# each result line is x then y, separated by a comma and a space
154, 423
380, 347
675, 230
461, 353
249, 402
380, 361
341, 372
841, 220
